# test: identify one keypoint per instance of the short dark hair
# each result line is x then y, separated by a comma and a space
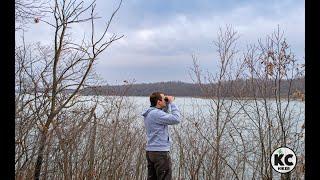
154, 97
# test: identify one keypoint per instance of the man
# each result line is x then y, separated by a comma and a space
158, 140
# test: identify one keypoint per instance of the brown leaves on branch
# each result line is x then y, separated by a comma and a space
36, 20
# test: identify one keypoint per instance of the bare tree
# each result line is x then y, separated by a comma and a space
247, 121
270, 65
223, 110
31, 105
65, 14
67, 66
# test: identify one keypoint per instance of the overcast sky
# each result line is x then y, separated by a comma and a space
161, 35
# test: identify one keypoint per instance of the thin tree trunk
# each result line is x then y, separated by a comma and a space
40, 154
93, 141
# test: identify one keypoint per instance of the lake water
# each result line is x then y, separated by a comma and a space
189, 106
192, 106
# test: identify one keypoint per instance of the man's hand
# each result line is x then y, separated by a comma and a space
170, 99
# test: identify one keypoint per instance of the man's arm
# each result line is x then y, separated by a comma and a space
170, 118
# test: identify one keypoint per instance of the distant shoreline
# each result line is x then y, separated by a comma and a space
224, 98
239, 88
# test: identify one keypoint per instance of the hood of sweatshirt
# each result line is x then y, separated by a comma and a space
146, 112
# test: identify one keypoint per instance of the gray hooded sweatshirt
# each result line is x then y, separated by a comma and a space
156, 122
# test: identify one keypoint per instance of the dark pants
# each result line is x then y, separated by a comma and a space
159, 165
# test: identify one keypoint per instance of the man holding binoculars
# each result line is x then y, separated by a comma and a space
161, 113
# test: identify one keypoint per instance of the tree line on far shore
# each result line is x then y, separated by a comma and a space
184, 89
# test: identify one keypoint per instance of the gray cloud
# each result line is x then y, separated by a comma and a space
165, 34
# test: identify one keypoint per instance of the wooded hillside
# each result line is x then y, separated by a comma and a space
178, 88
